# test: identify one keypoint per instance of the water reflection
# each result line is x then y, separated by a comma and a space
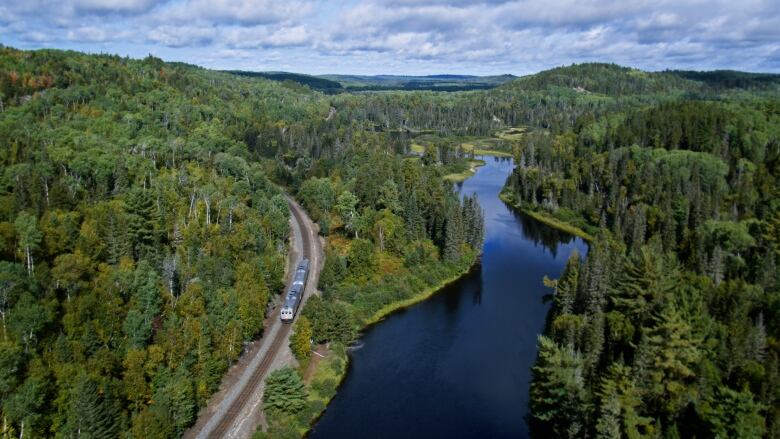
541, 234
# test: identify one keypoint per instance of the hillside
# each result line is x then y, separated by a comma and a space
607, 79
140, 238
316, 83
144, 234
411, 83
726, 79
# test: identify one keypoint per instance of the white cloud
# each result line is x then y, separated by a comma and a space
468, 35
89, 34
230, 12
104, 6
288, 36
181, 36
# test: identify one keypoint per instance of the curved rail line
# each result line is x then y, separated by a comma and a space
228, 420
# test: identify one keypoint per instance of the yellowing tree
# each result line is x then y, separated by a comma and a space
252, 295
300, 342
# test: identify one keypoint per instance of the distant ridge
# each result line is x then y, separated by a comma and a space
438, 82
730, 78
601, 78
616, 80
344, 83
314, 82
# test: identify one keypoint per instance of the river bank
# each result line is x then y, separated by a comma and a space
423, 295
463, 353
462, 176
325, 375
329, 373
545, 218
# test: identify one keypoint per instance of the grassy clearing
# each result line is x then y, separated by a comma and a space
492, 152
461, 176
328, 374
483, 148
479, 145
546, 218
512, 134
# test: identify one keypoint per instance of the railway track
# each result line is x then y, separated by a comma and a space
228, 420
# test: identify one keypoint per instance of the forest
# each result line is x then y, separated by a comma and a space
143, 225
669, 326
145, 234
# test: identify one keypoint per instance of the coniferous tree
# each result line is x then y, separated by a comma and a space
559, 402
90, 414
454, 235
666, 359
284, 391
143, 223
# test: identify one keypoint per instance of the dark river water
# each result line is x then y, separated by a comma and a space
459, 364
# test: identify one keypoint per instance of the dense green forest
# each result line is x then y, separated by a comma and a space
669, 326
144, 232
394, 230
140, 241
313, 82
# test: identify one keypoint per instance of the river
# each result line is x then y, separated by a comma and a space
459, 364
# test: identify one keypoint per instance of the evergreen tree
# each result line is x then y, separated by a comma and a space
608, 425
620, 402
413, 218
146, 302
90, 415
665, 362
284, 391
734, 414
566, 287
644, 281
143, 222
333, 271
454, 235
474, 222
559, 405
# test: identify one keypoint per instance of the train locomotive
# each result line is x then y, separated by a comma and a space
295, 294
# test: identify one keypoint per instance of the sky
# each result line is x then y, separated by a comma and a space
408, 37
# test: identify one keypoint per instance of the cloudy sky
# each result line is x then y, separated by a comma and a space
406, 36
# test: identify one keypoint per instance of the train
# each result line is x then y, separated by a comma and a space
295, 294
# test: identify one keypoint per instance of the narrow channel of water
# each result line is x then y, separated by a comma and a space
459, 364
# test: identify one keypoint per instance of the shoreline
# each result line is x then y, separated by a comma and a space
378, 317
391, 308
425, 294
460, 177
429, 292
546, 218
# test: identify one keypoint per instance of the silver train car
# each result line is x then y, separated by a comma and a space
294, 295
